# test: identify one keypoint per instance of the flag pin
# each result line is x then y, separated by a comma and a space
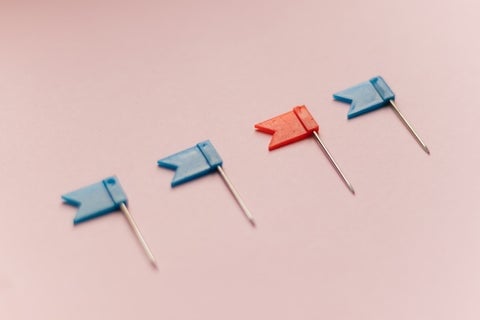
372, 95
293, 126
102, 198
196, 162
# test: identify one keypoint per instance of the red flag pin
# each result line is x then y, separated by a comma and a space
294, 126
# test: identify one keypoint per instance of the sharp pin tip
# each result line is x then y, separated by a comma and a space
351, 189
154, 264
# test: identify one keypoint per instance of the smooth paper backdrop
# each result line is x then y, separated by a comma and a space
94, 88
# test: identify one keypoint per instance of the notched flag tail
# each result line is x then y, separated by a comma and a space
366, 96
192, 163
289, 127
96, 199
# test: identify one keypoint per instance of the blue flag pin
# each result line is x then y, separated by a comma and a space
102, 198
196, 162
372, 95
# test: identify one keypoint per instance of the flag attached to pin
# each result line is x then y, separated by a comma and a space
372, 95
101, 198
192, 163
366, 96
196, 162
289, 127
293, 126
96, 199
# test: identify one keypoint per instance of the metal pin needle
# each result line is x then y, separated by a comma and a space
137, 232
332, 161
236, 195
409, 127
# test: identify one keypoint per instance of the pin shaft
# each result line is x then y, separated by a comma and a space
236, 195
409, 127
333, 162
137, 232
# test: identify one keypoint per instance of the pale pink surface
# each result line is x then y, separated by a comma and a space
98, 88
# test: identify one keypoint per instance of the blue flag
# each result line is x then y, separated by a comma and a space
366, 96
97, 199
192, 163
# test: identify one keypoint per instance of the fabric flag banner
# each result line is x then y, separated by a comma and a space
289, 127
366, 96
192, 163
97, 199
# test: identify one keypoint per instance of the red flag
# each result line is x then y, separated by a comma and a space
289, 127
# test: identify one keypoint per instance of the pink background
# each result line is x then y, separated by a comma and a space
95, 88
